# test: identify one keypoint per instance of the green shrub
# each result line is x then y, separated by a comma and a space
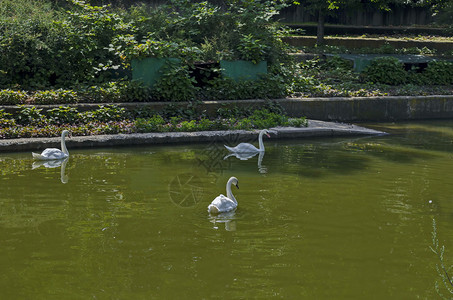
176, 84
149, 125
205, 124
439, 72
335, 63
298, 122
63, 115
88, 33
30, 115
102, 93
387, 70
106, 113
29, 39
269, 86
187, 126
243, 124
6, 119
11, 97
54, 97
265, 119
44, 47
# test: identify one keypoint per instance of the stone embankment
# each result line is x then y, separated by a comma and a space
356, 109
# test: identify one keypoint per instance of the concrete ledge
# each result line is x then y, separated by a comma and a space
315, 129
390, 108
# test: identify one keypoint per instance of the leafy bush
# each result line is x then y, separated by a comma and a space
298, 122
439, 72
336, 63
176, 84
88, 33
265, 119
30, 122
53, 97
105, 114
43, 46
250, 48
266, 87
28, 40
387, 70
155, 123
6, 119
84, 46
29, 115
63, 115
11, 97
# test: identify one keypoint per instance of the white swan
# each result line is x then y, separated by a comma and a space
223, 204
54, 153
249, 148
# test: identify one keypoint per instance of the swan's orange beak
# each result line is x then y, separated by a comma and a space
268, 135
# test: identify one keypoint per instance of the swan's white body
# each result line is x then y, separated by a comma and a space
54, 153
249, 148
224, 204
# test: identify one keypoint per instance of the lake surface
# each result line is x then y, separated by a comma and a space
330, 218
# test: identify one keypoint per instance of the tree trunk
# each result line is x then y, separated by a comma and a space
320, 31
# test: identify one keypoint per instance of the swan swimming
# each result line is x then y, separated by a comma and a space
249, 148
54, 153
224, 204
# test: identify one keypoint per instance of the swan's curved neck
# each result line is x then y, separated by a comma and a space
63, 144
260, 141
229, 193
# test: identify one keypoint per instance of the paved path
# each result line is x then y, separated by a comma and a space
314, 129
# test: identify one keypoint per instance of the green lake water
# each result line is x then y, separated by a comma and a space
327, 218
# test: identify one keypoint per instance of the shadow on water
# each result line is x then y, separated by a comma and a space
317, 158
435, 135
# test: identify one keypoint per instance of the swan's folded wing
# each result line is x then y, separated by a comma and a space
53, 153
218, 200
223, 203
244, 148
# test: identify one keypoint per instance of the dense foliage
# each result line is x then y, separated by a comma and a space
390, 70
30, 121
80, 47
79, 53
335, 77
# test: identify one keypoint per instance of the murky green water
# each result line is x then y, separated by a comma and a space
343, 218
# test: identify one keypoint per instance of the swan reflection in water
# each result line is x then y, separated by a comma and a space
228, 218
245, 156
54, 164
